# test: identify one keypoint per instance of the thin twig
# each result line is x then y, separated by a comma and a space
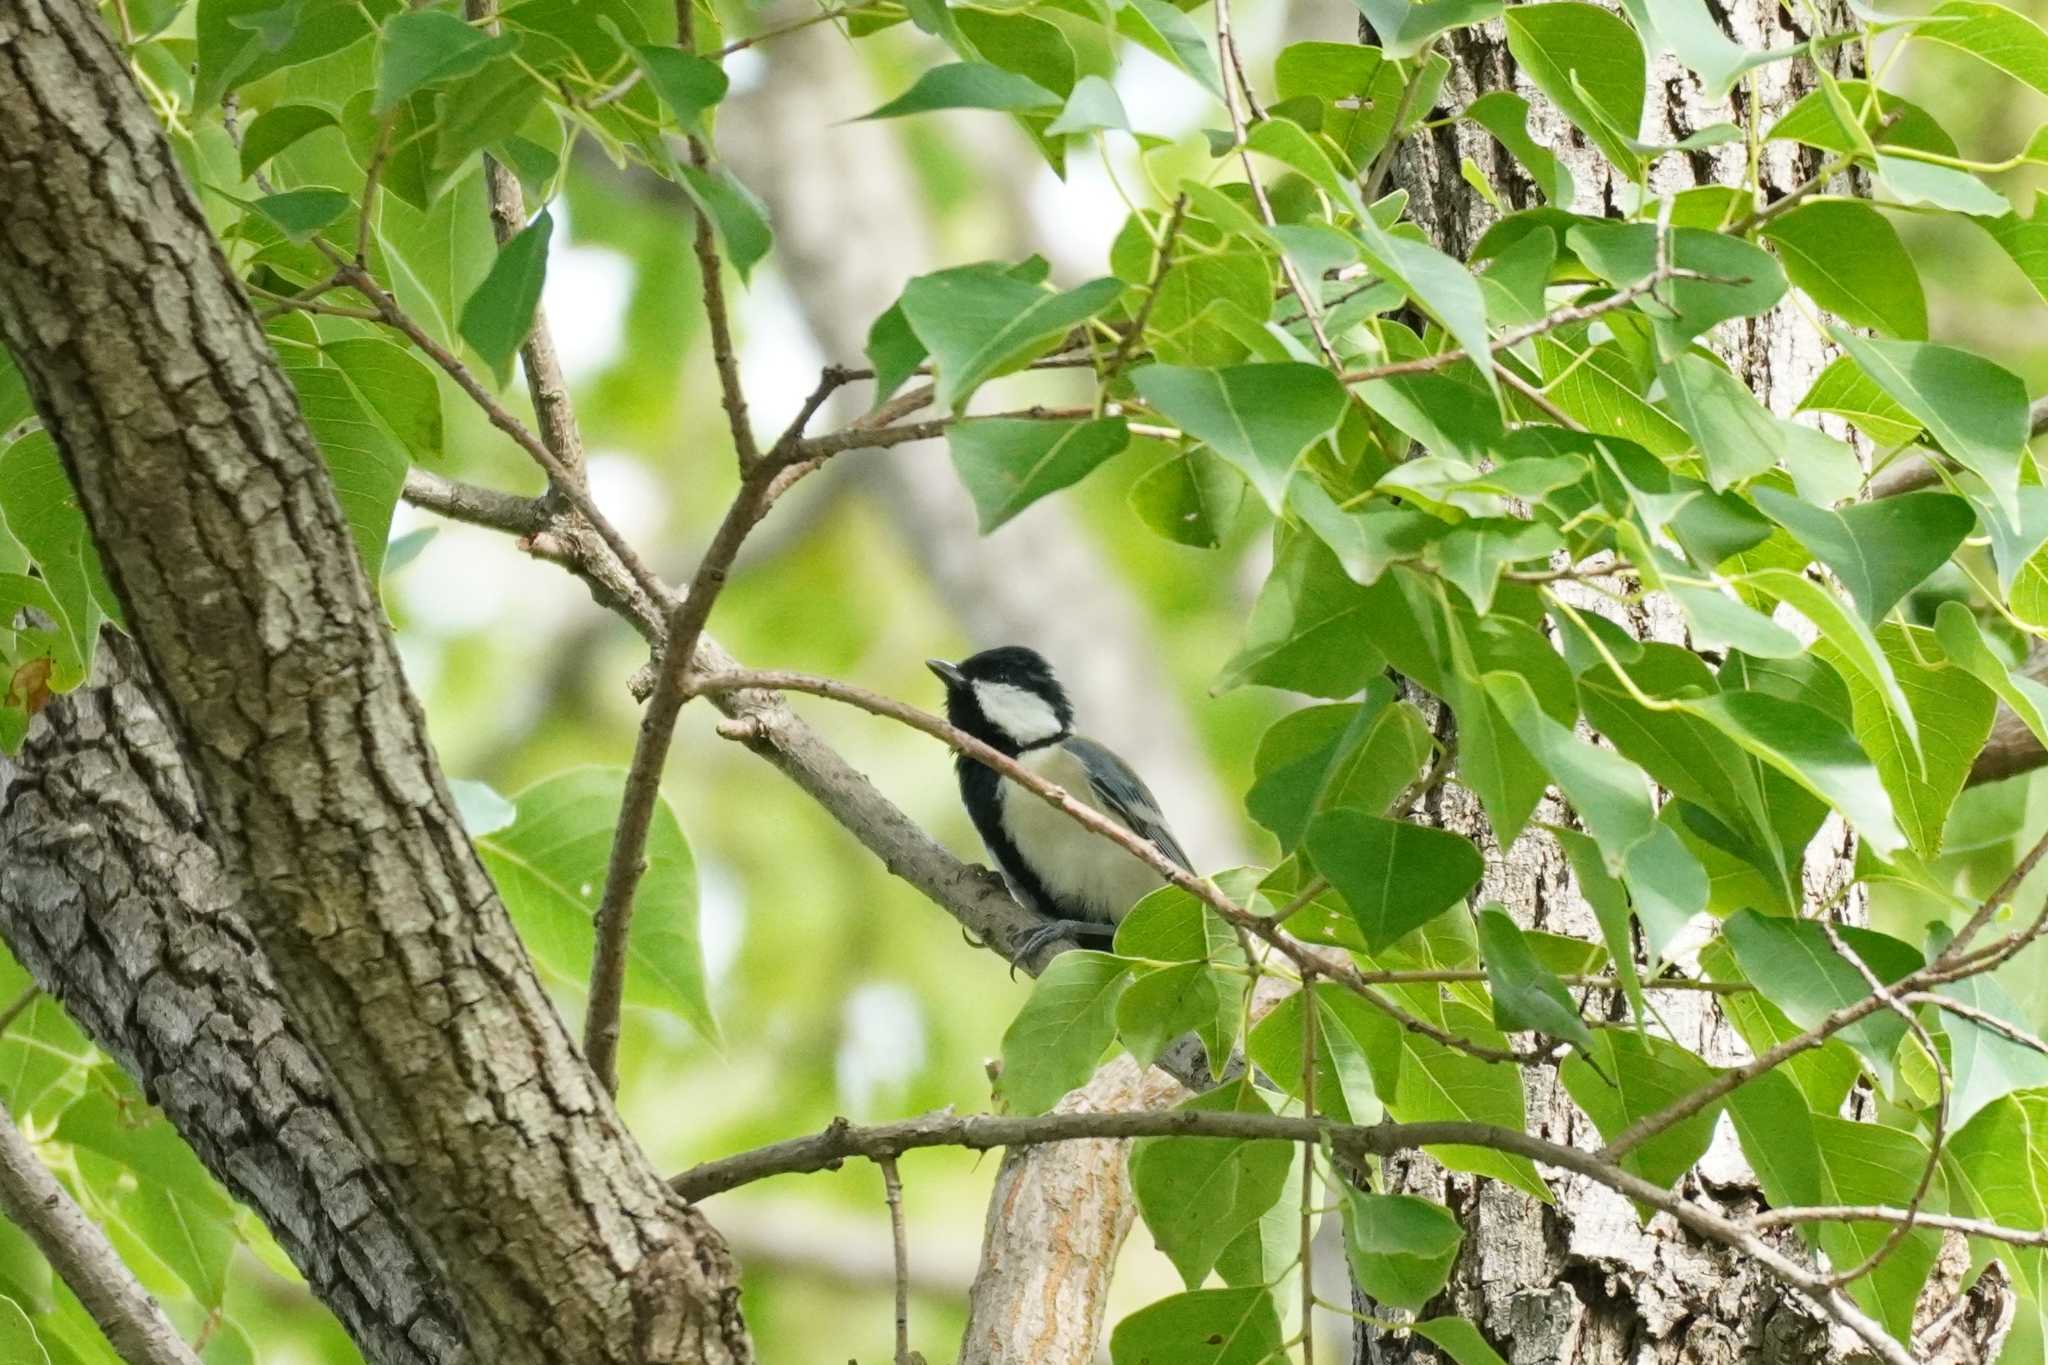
18, 1007
1904, 1227
1947, 966
1305, 958
501, 417
79, 1252
980, 1132
892, 1190
1308, 1170
1383, 161
1885, 1213
1235, 91
1161, 263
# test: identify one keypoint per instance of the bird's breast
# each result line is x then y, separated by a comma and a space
1090, 877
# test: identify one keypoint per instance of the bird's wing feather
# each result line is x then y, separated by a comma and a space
1126, 796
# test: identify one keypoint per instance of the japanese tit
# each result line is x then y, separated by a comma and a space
1009, 699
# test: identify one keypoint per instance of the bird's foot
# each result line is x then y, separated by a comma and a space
1052, 929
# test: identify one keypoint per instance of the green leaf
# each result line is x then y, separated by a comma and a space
41, 510
1813, 749
1191, 498
1993, 34
1422, 1081
1171, 925
1205, 1327
1610, 794
1626, 1076
739, 217
1881, 550
1197, 1194
1321, 757
368, 467
1057, 1038
1986, 1064
1311, 629
1846, 390
1459, 1340
1952, 714
1887, 117
1161, 28
1344, 1083
1591, 64
1921, 182
275, 129
1737, 437
1401, 28
1997, 1168
1853, 643
1849, 258
299, 214
1394, 876
1955, 626
156, 1188
1401, 1248
1506, 115
397, 386
1694, 33
967, 85
1093, 107
1526, 994
1009, 464
1746, 279
979, 322
1802, 1157
1259, 417
1474, 554
20, 1342
1799, 971
1159, 1006
549, 865
425, 47
483, 810
1440, 285
687, 83
1975, 409
499, 315
240, 41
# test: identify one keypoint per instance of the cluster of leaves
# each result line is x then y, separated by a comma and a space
1475, 469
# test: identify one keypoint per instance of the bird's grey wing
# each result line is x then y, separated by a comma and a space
1126, 796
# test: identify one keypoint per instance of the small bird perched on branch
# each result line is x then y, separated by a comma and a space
1009, 699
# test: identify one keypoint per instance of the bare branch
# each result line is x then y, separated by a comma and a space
899, 1241
79, 1252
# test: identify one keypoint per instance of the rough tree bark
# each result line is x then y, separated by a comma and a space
339, 844
113, 897
1583, 1282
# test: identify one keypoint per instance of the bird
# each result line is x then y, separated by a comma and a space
1009, 698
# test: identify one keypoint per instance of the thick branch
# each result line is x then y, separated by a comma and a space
79, 1252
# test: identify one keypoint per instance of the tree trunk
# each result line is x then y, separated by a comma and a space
339, 844
113, 898
1584, 1281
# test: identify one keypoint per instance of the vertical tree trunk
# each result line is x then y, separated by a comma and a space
1583, 1281
340, 846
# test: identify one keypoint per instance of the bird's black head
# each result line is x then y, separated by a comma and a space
1006, 697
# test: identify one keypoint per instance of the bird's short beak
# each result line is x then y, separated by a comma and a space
949, 674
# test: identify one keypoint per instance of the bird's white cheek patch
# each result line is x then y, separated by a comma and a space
1023, 715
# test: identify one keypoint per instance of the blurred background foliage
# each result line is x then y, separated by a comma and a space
837, 988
